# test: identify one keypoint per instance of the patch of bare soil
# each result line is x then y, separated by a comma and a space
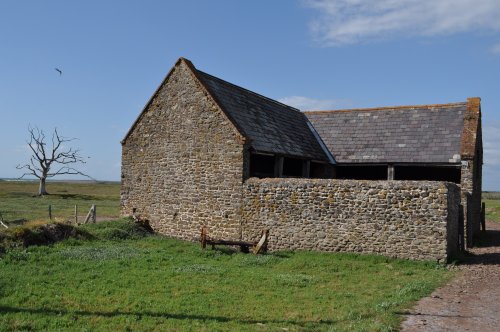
470, 302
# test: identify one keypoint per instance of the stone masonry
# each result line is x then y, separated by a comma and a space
185, 164
182, 164
471, 173
406, 219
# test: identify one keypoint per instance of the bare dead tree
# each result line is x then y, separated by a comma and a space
44, 160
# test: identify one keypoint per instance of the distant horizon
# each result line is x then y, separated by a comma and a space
88, 68
116, 181
55, 180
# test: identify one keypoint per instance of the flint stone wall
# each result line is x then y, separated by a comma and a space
405, 219
182, 165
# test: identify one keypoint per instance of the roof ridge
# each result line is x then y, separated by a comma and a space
402, 107
251, 92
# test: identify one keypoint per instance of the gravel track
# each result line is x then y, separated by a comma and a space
471, 301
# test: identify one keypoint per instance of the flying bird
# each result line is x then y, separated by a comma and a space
59, 71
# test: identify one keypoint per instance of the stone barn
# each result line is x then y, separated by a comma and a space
205, 152
425, 142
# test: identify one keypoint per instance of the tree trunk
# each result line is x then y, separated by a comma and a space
41, 188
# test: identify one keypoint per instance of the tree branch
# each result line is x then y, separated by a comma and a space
40, 163
68, 170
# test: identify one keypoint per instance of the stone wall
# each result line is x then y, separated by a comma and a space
406, 219
471, 188
472, 163
183, 163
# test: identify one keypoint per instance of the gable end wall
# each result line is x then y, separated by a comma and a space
182, 164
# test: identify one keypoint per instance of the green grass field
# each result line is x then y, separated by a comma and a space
492, 201
144, 283
18, 202
118, 278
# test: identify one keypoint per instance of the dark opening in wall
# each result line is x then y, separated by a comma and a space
375, 172
321, 171
292, 167
429, 173
261, 166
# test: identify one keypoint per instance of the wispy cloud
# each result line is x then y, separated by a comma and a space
496, 49
305, 103
343, 22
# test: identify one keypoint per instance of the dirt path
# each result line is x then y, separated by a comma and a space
470, 302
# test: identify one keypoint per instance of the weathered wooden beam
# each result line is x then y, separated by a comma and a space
262, 244
1, 221
306, 169
203, 237
91, 215
483, 216
257, 247
230, 242
278, 166
390, 172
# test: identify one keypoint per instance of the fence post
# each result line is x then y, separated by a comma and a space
483, 216
76, 214
1, 221
91, 215
50, 212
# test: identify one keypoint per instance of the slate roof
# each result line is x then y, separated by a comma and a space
271, 126
408, 134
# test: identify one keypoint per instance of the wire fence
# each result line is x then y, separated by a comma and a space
78, 214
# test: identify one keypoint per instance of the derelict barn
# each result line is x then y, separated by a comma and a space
205, 152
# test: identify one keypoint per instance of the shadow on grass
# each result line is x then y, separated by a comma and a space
224, 250
231, 250
77, 196
16, 194
220, 319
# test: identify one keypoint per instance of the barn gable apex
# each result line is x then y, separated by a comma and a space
182, 61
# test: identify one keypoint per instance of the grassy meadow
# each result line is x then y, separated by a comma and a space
492, 202
122, 278
116, 276
19, 203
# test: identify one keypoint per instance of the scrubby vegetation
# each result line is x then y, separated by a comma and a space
42, 233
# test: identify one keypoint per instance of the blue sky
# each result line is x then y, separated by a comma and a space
310, 54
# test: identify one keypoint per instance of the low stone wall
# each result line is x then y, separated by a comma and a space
405, 219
